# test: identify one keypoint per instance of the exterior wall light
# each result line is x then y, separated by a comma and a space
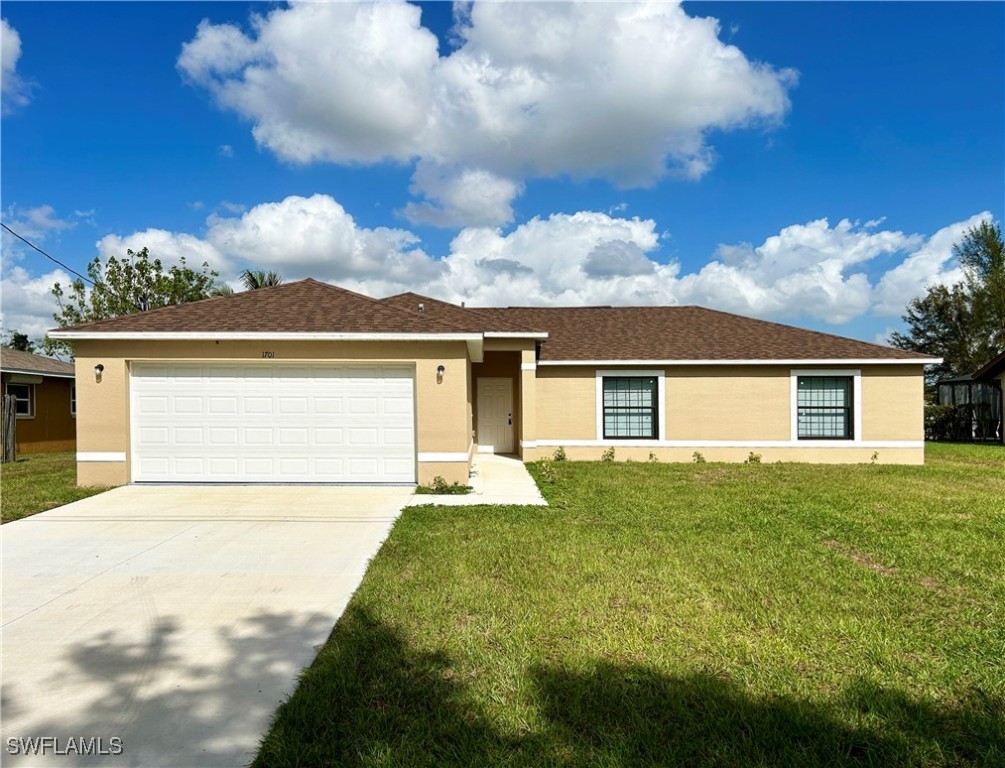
440, 370
98, 369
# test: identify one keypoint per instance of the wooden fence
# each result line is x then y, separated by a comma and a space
9, 425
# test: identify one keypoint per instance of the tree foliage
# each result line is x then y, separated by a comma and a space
965, 323
19, 341
254, 279
124, 286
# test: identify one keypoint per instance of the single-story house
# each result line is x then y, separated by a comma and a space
309, 382
994, 371
45, 401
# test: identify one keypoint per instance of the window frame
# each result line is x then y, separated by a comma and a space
73, 399
659, 406
855, 422
31, 398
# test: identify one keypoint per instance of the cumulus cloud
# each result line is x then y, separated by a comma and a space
28, 303
811, 270
39, 222
931, 264
298, 236
14, 91
625, 92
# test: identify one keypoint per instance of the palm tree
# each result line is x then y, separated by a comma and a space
254, 279
221, 289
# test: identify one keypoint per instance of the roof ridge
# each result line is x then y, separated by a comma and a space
516, 327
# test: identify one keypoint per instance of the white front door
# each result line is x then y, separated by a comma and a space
495, 415
269, 422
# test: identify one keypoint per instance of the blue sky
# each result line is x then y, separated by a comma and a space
811, 163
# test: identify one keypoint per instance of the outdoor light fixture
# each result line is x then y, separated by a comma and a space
440, 370
97, 372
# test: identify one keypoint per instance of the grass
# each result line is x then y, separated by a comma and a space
678, 614
37, 482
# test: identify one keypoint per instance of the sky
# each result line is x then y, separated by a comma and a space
809, 163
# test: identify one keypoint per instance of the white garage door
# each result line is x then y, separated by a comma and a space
272, 422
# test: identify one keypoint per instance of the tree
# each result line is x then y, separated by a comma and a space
19, 341
965, 323
254, 279
125, 286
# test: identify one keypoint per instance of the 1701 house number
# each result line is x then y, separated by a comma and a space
268, 355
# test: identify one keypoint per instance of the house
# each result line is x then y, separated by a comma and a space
308, 382
993, 373
45, 401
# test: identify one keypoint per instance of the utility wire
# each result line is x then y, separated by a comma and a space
30, 244
71, 270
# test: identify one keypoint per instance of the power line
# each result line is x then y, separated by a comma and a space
30, 244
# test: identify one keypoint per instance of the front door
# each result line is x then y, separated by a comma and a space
495, 415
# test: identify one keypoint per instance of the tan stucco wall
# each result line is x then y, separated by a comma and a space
735, 403
566, 403
52, 427
443, 414
768, 455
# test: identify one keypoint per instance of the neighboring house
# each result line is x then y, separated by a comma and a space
994, 372
46, 401
308, 382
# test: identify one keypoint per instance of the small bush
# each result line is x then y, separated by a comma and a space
440, 486
941, 421
559, 454
608, 455
653, 458
753, 458
697, 457
548, 472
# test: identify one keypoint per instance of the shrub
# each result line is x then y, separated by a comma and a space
753, 458
608, 455
559, 454
548, 472
440, 486
697, 458
940, 421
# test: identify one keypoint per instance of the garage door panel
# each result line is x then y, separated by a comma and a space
272, 423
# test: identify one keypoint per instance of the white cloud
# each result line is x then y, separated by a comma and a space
225, 150
811, 270
37, 223
620, 91
463, 197
28, 303
931, 264
14, 91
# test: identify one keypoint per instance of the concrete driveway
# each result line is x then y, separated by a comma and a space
174, 619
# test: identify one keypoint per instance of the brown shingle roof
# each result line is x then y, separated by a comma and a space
304, 306
462, 317
681, 333
15, 360
574, 333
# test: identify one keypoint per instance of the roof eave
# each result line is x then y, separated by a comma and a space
38, 373
257, 335
762, 361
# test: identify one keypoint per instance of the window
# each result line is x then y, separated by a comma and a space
630, 407
73, 399
825, 408
24, 399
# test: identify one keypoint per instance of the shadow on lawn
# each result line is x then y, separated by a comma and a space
371, 699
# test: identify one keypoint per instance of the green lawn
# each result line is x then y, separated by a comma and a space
37, 482
661, 614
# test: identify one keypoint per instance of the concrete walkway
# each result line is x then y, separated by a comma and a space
495, 479
175, 618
